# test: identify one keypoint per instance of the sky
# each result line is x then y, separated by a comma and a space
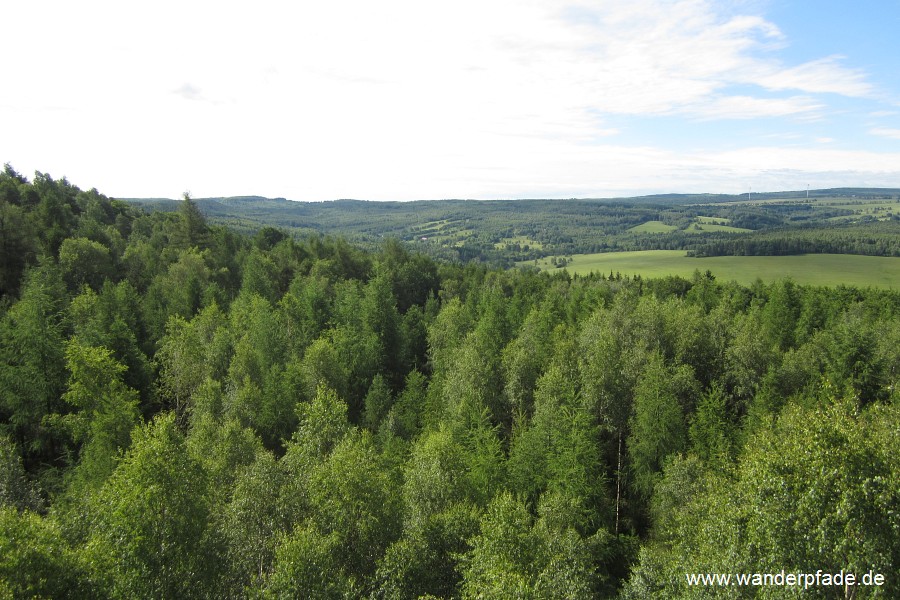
403, 100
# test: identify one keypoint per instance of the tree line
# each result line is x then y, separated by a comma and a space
874, 239
187, 411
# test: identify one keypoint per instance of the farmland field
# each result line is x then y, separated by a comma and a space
812, 269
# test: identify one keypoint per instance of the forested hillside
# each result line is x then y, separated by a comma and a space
192, 412
503, 232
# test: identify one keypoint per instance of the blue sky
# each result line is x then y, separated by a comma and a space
406, 99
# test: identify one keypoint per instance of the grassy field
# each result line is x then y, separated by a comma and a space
713, 220
811, 269
653, 227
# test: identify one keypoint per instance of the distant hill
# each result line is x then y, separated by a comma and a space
503, 231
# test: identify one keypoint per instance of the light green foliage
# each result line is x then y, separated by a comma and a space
781, 313
357, 346
185, 288
54, 211
887, 354
408, 413
380, 317
851, 361
140, 263
447, 332
190, 353
823, 494
437, 521
35, 561
414, 278
681, 483
483, 453
695, 339
524, 360
337, 483
306, 566
264, 393
322, 425
466, 386
611, 358
516, 557
818, 490
435, 478
354, 499
150, 536
251, 522
222, 446
84, 262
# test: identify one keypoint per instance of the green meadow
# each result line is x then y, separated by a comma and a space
811, 269
653, 227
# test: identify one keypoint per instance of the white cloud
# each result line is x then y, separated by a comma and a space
887, 132
747, 107
391, 99
825, 75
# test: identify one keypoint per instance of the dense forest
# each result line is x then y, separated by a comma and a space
873, 239
189, 411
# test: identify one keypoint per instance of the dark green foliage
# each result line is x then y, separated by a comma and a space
16, 490
191, 230
378, 402
107, 411
17, 244
658, 427
712, 429
32, 366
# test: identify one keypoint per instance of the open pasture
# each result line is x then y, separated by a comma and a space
809, 269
